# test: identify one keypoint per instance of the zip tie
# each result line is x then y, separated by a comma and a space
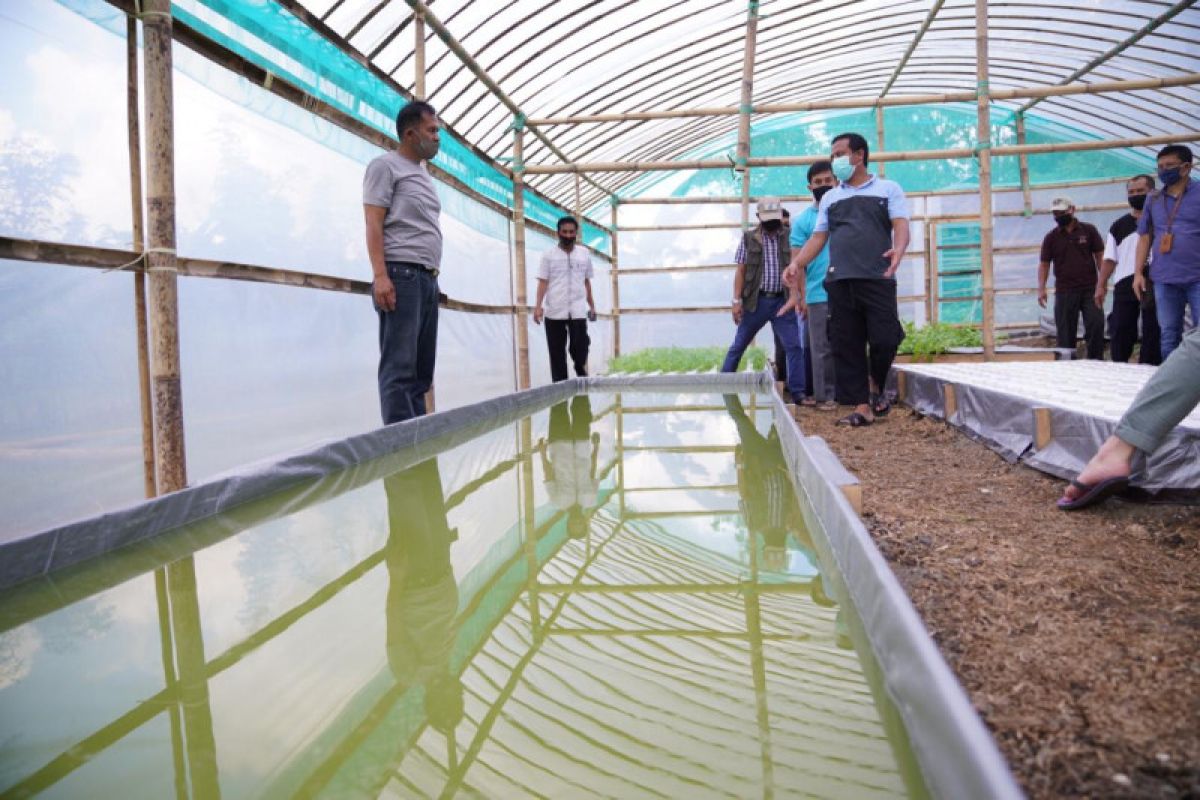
981, 88
174, 268
745, 108
518, 122
518, 165
984, 144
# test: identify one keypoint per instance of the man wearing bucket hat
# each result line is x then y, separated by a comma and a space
759, 295
1074, 248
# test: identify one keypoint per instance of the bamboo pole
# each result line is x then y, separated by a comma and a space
149, 485
717, 200
743, 140
476, 69
983, 134
419, 55
171, 456
614, 269
1023, 161
931, 278
910, 155
224, 57
579, 205
879, 146
1120, 47
912, 47
1019, 93
522, 315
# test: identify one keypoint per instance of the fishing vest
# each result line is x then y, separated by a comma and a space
753, 241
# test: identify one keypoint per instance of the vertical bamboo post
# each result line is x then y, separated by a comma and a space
579, 205
747, 105
614, 204
930, 273
879, 138
419, 54
171, 458
1023, 161
935, 287
139, 244
518, 168
984, 135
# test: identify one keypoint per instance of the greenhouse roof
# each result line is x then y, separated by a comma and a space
586, 57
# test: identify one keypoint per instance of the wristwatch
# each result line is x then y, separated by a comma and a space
737, 301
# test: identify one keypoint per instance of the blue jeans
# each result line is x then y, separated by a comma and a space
1170, 298
407, 343
786, 327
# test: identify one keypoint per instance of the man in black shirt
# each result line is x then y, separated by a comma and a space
1074, 248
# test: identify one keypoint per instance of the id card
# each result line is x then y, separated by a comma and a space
1164, 244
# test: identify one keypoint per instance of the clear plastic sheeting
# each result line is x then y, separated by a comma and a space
70, 425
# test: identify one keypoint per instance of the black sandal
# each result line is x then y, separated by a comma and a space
880, 405
855, 420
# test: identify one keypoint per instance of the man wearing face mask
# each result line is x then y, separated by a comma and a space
759, 295
1120, 249
1170, 229
404, 243
814, 300
865, 221
564, 300
1074, 248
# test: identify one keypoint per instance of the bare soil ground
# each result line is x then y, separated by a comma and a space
1077, 636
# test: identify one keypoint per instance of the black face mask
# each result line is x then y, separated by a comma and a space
820, 192
1063, 220
1137, 201
773, 225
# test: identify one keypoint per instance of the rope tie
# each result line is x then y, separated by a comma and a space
142, 256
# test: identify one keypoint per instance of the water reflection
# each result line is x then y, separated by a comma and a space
569, 458
554, 624
422, 594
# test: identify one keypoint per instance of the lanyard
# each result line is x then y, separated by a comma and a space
1178, 202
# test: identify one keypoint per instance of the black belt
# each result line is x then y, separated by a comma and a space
431, 270
780, 293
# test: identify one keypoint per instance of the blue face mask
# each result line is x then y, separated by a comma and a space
842, 168
1170, 177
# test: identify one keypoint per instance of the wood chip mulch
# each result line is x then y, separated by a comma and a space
1077, 636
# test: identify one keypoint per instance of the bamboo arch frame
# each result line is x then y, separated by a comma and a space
561, 181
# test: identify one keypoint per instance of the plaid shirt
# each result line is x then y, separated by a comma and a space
772, 279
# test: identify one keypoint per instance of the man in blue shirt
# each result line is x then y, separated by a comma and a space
759, 295
820, 181
865, 221
1171, 225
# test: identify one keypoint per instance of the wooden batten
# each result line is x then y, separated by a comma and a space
1042, 431
949, 401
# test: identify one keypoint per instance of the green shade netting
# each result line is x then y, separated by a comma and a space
906, 128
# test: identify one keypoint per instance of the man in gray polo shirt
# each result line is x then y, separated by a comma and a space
865, 221
404, 242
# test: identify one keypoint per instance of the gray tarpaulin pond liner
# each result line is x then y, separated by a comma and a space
1083, 401
957, 755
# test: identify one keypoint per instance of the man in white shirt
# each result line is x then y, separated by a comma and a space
1120, 253
564, 300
